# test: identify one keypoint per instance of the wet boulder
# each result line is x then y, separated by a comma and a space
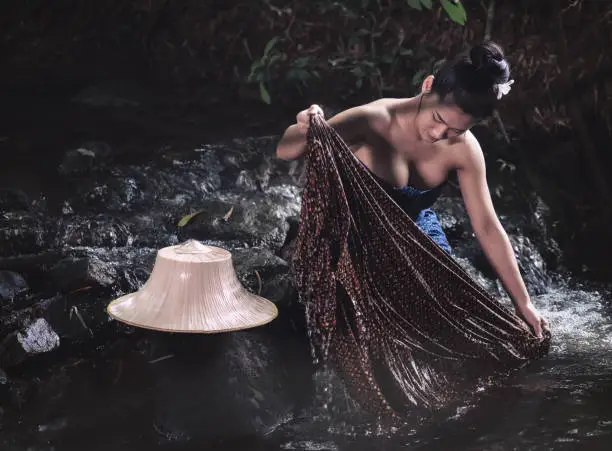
237, 384
164, 187
251, 165
114, 231
85, 158
100, 269
456, 224
26, 233
14, 199
35, 337
11, 285
255, 219
77, 272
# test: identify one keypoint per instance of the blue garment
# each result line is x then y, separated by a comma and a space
417, 204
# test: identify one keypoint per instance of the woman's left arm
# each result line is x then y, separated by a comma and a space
489, 231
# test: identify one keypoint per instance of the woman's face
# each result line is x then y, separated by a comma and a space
436, 121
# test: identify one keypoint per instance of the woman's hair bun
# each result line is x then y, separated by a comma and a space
475, 80
488, 60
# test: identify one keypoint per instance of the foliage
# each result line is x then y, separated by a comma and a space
372, 53
347, 51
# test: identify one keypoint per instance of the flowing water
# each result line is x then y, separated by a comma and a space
110, 399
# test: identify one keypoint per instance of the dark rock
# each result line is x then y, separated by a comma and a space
131, 266
107, 271
533, 267
119, 194
99, 231
288, 248
11, 285
141, 230
78, 272
477, 275
31, 266
13, 199
256, 220
144, 188
78, 317
266, 274
89, 156
37, 337
116, 95
90, 279
26, 233
267, 265
255, 382
543, 230
453, 218
531, 264
251, 165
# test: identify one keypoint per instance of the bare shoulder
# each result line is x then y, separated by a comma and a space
468, 153
355, 124
379, 113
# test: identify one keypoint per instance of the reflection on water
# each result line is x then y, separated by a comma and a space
127, 396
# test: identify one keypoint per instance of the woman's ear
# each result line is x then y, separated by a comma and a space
427, 84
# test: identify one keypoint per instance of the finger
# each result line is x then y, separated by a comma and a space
314, 110
538, 329
545, 325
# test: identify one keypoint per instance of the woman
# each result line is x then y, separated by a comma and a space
410, 146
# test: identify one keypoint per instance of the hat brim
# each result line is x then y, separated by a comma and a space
253, 311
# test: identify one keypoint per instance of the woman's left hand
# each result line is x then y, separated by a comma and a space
531, 315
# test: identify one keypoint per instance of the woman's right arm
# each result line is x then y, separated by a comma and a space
351, 125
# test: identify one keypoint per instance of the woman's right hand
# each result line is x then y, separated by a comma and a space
303, 117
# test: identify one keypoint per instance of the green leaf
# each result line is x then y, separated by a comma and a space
358, 72
298, 74
415, 4
270, 45
273, 59
255, 68
265, 95
302, 61
186, 219
426, 3
455, 11
259, 77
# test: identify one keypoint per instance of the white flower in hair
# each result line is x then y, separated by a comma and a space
503, 88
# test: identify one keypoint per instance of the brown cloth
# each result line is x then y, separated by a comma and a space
403, 323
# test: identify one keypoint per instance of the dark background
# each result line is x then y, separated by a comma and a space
144, 73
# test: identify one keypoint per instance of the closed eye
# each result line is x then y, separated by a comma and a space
437, 118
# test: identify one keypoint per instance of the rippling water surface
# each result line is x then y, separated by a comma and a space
106, 401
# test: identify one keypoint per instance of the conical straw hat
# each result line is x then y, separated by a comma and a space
193, 288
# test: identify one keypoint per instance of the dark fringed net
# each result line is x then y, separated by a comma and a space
394, 313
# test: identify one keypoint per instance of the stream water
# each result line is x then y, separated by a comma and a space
113, 397
136, 394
